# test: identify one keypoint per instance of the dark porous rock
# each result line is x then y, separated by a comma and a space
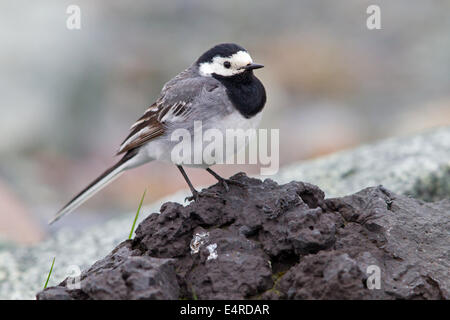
269, 241
123, 274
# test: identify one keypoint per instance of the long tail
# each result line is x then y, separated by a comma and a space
102, 181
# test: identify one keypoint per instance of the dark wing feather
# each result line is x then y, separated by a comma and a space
152, 123
174, 105
146, 128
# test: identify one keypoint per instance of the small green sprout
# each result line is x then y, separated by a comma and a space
137, 214
50, 273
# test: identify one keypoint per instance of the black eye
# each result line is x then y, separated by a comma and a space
227, 64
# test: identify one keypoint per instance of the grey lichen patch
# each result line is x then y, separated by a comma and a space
418, 166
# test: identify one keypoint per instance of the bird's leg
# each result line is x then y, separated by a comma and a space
224, 181
195, 193
186, 178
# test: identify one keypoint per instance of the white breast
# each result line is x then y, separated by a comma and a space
237, 121
161, 148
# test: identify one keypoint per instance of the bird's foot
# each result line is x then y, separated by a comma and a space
197, 195
226, 182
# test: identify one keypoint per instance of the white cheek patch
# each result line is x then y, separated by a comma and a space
238, 60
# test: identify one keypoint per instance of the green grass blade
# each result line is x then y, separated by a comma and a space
50, 273
137, 214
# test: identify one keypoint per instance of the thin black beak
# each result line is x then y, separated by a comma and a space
253, 66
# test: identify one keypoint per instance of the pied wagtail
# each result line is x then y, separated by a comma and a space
219, 89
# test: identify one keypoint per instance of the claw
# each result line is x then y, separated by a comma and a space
190, 198
235, 182
225, 183
197, 195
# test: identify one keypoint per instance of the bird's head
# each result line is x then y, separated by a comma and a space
226, 60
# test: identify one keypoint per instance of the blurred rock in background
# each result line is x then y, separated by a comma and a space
69, 97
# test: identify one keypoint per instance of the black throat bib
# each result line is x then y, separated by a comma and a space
245, 91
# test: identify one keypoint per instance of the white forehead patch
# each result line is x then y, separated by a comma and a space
238, 60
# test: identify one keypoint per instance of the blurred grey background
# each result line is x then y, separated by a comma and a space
68, 97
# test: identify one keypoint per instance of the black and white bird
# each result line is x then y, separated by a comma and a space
219, 89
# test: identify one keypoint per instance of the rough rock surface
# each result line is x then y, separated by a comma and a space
264, 240
123, 274
418, 165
